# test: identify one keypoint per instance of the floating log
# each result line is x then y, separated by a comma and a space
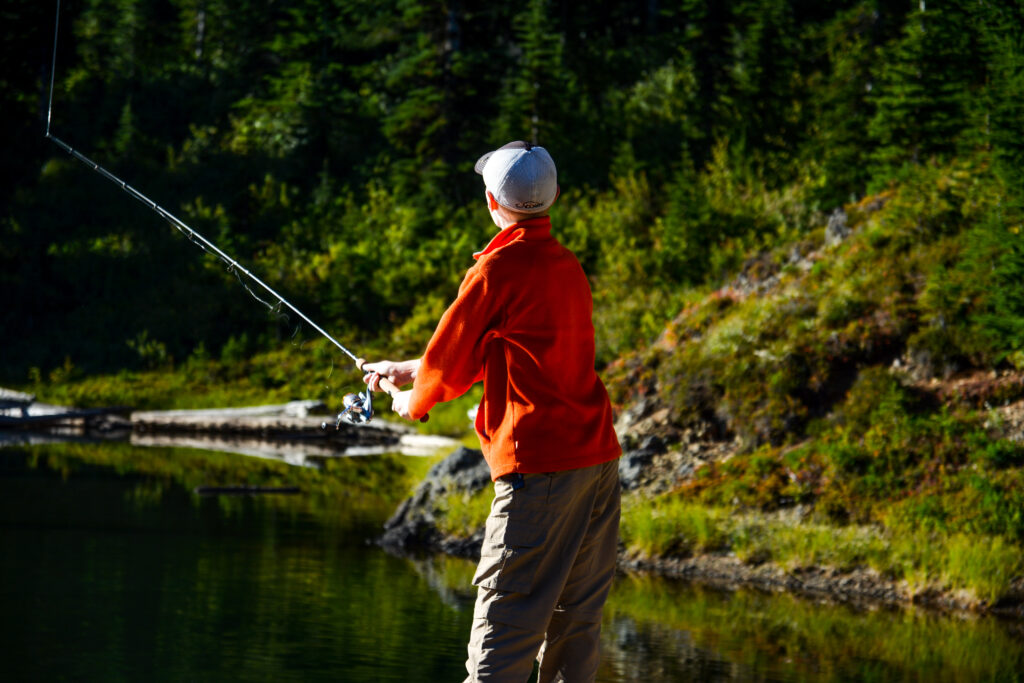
289, 432
254, 424
291, 409
15, 400
261, 426
69, 418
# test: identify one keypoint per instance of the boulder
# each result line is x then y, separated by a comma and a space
413, 525
837, 230
633, 463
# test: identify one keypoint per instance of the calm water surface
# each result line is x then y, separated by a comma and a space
112, 569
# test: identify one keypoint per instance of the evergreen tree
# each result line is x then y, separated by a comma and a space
762, 102
923, 100
842, 107
535, 85
1003, 124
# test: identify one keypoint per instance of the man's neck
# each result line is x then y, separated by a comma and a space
505, 219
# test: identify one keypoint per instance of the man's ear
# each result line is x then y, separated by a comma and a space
492, 203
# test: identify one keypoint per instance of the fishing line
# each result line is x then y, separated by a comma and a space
206, 245
53, 69
275, 309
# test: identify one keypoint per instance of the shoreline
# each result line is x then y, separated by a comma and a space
860, 586
413, 529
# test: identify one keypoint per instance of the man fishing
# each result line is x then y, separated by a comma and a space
521, 323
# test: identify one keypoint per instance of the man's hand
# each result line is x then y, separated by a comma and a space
398, 372
400, 403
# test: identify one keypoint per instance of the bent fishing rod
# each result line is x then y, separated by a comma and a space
358, 408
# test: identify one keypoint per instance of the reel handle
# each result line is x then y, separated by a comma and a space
387, 385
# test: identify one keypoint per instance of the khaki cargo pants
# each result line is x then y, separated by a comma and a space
545, 569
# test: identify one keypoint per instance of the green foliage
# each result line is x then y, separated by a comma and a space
974, 308
763, 364
842, 112
884, 454
151, 352
328, 147
535, 91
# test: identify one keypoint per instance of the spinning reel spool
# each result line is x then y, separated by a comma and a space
358, 409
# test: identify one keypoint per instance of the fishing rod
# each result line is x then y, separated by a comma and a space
358, 408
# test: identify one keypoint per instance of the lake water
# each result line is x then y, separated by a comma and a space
113, 569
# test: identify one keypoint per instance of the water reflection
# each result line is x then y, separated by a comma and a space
747, 634
298, 451
122, 576
112, 569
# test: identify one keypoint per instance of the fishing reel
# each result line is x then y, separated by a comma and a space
358, 409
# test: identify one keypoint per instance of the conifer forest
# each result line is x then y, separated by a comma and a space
329, 147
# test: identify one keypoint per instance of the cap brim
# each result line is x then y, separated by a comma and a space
481, 162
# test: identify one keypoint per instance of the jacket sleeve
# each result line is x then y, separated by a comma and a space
454, 358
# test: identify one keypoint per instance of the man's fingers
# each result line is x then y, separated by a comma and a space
400, 403
375, 372
372, 381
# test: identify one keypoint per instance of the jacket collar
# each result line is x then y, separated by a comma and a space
531, 229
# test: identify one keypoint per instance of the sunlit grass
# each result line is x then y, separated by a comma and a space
463, 513
672, 526
983, 567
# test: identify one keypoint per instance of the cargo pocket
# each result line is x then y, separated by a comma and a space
510, 555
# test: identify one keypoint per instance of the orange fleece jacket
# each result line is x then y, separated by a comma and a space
522, 324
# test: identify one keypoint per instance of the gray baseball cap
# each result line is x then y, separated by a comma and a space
521, 176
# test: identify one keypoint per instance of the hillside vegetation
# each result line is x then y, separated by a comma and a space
802, 224
850, 404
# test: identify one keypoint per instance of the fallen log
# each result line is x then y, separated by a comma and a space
68, 418
254, 423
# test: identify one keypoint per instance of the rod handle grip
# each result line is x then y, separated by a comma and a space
386, 385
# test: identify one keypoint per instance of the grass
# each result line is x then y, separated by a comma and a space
460, 514
671, 526
983, 567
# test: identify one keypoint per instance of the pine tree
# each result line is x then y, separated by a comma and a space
762, 101
1003, 40
923, 100
842, 106
535, 87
